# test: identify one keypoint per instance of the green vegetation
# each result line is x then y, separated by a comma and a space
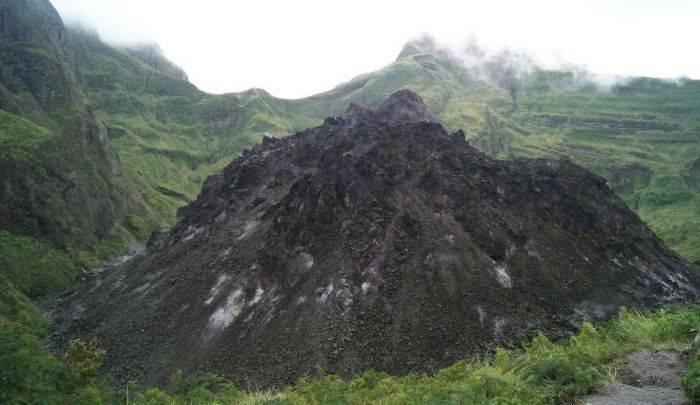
31, 269
170, 136
63, 195
16, 307
29, 375
20, 140
541, 371
161, 137
643, 136
37, 269
98, 149
691, 380
43, 269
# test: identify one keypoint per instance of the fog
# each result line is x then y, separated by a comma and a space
295, 49
503, 67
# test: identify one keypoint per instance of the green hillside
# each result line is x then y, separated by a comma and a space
63, 194
110, 142
642, 136
169, 135
100, 145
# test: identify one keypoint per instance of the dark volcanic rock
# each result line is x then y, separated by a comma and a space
372, 242
402, 107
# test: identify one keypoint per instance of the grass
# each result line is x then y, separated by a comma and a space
540, 371
35, 268
16, 307
643, 136
20, 140
164, 137
31, 269
691, 380
169, 136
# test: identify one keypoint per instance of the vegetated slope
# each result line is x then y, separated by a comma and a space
374, 241
641, 134
101, 145
169, 135
142, 139
62, 185
61, 176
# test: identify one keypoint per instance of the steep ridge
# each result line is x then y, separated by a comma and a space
153, 56
63, 189
61, 178
376, 240
170, 135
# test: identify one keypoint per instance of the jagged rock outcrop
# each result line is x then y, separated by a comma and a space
401, 107
372, 242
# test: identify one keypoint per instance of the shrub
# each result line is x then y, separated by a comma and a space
691, 380
154, 396
571, 379
691, 383
542, 372
28, 374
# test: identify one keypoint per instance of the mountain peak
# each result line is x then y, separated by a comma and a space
153, 55
423, 45
403, 106
408, 49
335, 240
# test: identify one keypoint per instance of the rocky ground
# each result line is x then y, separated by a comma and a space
646, 377
374, 241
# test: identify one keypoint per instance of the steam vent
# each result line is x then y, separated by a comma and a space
374, 241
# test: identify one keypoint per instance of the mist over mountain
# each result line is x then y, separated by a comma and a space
605, 36
505, 67
489, 179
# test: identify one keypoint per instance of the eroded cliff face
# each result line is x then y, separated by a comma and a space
34, 57
374, 241
62, 181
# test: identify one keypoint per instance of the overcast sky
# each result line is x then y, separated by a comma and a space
295, 48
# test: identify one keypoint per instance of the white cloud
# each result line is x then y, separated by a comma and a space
297, 48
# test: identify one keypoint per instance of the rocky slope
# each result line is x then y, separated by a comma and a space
99, 145
642, 135
376, 240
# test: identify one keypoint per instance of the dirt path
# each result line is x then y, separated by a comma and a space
646, 377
